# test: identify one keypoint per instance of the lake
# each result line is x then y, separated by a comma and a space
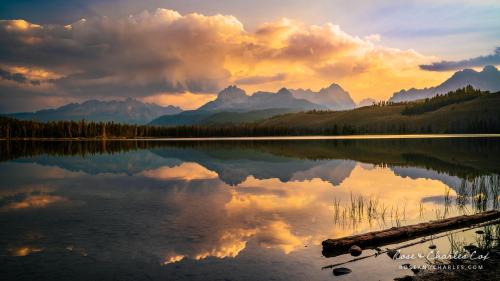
229, 210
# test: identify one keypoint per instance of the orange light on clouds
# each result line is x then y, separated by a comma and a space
186, 101
185, 171
35, 201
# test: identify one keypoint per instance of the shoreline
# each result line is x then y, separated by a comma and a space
264, 138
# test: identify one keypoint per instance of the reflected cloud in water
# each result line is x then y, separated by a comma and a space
218, 204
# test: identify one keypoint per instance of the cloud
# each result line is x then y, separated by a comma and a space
261, 79
152, 55
146, 53
22, 77
17, 77
186, 100
480, 61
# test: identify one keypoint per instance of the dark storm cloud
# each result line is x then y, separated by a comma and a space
136, 56
17, 77
480, 61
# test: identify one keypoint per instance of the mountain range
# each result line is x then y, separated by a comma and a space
333, 97
125, 111
233, 105
235, 99
487, 80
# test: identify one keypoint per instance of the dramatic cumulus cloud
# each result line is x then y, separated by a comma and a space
493, 59
164, 56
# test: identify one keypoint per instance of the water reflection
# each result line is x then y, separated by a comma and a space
196, 210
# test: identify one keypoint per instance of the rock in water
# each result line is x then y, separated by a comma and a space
393, 254
432, 246
355, 250
341, 271
470, 248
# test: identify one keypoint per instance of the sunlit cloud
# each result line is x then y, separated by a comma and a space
172, 259
34, 202
163, 53
184, 100
186, 171
230, 244
23, 251
285, 216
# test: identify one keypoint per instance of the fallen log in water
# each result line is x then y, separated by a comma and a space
334, 247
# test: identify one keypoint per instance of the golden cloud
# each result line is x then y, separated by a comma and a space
186, 171
34, 201
169, 53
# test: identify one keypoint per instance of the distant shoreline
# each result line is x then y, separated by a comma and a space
317, 137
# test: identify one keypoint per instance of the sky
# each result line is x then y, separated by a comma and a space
184, 52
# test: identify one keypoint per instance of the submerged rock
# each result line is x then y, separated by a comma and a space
470, 248
341, 271
432, 246
480, 232
355, 250
393, 254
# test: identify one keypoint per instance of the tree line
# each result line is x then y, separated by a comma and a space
438, 101
24, 129
28, 129
11, 128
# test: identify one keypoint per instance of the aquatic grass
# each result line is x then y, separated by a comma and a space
480, 193
456, 246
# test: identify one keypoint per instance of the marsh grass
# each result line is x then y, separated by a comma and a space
481, 193
472, 195
361, 208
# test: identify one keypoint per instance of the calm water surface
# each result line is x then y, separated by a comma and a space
248, 210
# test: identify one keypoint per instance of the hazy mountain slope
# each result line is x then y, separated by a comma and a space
487, 80
333, 97
233, 105
126, 111
203, 117
482, 112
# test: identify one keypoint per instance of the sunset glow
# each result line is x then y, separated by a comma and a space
135, 56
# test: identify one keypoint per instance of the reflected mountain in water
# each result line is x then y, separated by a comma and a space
192, 210
330, 160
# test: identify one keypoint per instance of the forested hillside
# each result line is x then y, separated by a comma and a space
463, 111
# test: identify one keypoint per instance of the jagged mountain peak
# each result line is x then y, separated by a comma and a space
333, 97
235, 99
333, 86
231, 92
284, 91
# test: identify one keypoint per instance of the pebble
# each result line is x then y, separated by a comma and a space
341, 271
355, 251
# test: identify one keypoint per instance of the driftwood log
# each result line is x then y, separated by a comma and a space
334, 247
